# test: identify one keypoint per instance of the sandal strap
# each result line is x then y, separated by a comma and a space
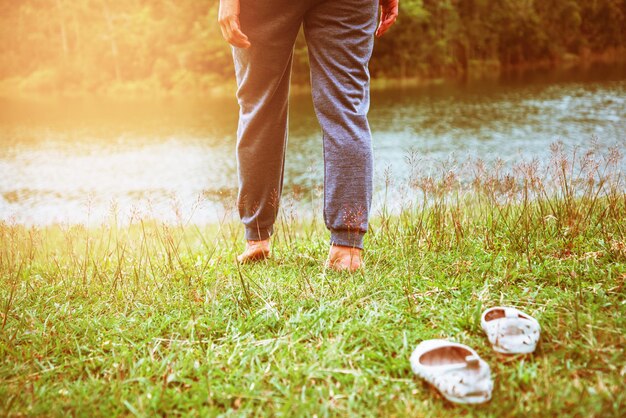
513, 333
473, 361
511, 313
462, 382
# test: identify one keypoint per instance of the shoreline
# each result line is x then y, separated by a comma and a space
147, 89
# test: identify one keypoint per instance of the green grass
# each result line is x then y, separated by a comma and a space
153, 319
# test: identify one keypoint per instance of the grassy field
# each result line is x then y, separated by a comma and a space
157, 319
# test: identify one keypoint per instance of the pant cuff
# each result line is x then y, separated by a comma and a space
258, 233
347, 238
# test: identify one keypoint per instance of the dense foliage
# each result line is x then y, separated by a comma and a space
175, 45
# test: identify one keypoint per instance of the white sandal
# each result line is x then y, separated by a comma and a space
510, 331
456, 370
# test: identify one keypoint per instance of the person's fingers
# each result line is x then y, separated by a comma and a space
386, 24
228, 30
380, 24
224, 26
224, 31
239, 38
231, 32
387, 18
386, 21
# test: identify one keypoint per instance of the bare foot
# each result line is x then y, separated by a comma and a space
342, 258
255, 251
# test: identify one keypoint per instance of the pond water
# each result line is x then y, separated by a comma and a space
77, 161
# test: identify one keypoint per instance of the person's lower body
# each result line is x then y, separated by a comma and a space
339, 35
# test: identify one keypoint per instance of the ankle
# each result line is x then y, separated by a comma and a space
347, 238
261, 242
344, 251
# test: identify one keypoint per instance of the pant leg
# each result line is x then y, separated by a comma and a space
263, 73
340, 38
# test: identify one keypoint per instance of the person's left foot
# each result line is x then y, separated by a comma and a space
255, 251
342, 258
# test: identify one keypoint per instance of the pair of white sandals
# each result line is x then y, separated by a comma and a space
458, 372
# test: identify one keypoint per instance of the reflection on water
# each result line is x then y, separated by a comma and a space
74, 160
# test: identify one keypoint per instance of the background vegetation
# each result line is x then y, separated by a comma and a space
114, 46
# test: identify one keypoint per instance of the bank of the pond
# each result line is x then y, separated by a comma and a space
41, 83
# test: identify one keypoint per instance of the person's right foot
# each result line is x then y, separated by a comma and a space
255, 251
342, 258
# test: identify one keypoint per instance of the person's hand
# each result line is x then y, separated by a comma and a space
228, 18
388, 16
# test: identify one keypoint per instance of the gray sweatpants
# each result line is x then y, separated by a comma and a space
339, 36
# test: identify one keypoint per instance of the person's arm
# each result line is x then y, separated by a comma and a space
388, 15
228, 18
